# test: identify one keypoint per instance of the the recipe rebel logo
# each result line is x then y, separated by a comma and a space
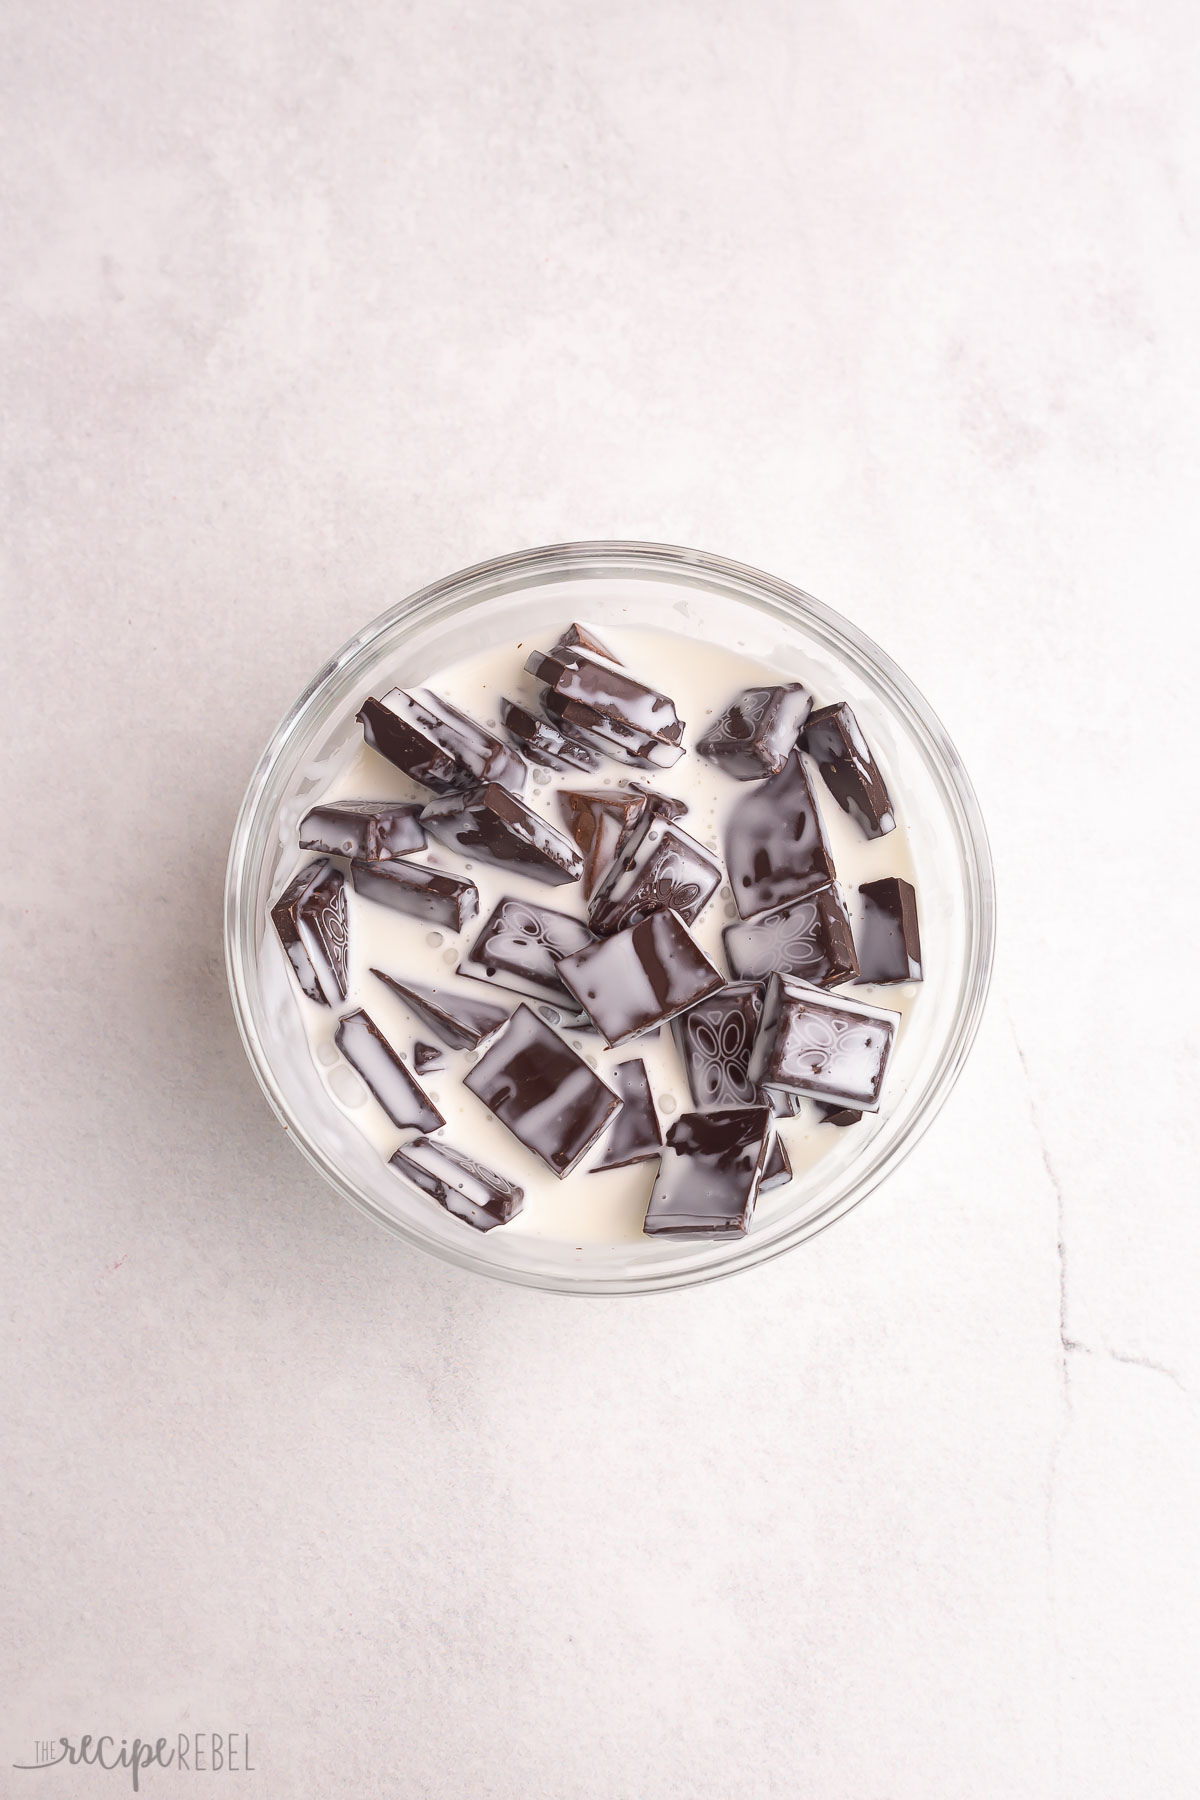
192, 1753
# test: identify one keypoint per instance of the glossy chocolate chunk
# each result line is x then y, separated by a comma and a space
757, 732
520, 946
608, 737
777, 1171
598, 819
640, 977
372, 830
436, 745
582, 637
823, 1045
419, 891
458, 1019
397, 1090
665, 805
837, 1115
889, 938
775, 845
310, 917
714, 1041
543, 742
834, 740
495, 826
546, 1094
810, 938
635, 1134
710, 1173
464, 1187
657, 868
629, 719
428, 1058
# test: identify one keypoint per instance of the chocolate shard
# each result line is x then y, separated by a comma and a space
310, 917
519, 949
775, 845
495, 826
458, 1019
889, 937
810, 939
838, 1115
710, 1173
372, 830
464, 1187
397, 1090
836, 744
582, 637
419, 891
823, 1045
609, 737
597, 819
665, 805
757, 732
714, 1041
635, 1134
428, 1058
615, 708
777, 1171
543, 742
547, 1095
657, 868
436, 745
639, 978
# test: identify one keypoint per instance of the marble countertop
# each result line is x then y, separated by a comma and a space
306, 306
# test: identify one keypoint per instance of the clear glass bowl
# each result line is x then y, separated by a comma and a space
523, 597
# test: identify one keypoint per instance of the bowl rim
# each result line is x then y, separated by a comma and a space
631, 557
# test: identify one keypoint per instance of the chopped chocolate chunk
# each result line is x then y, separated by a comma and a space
665, 805
775, 846
609, 737
757, 732
635, 1135
777, 1171
582, 637
641, 977
543, 742
437, 745
429, 1058
836, 744
889, 938
810, 938
598, 819
418, 890
546, 1094
710, 1173
458, 1019
714, 1041
657, 868
397, 1090
519, 948
464, 1187
498, 828
372, 830
619, 715
838, 1115
310, 917
823, 1045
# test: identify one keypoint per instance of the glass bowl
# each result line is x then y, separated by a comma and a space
524, 597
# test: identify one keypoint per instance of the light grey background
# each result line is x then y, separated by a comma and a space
308, 304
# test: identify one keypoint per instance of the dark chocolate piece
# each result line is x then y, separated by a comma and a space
543, 742
397, 1090
435, 744
372, 830
710, 1173
889, 938
635, 1135
598, 819
665, 805
777, 1171
714, 1041
428, 1058
546, 1094
458, 1019
775, 846
608, 737
418, 890
657, 868
757, 732
835, 741
495, 826
810, 938
838, 1115
639, 978
624, 718
464, 1187
582, 637
823, 1045
519, 948
310, 917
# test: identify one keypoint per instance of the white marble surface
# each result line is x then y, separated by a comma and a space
307, 304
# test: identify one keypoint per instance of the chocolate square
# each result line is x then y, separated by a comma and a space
436, 744
519, 949
618, 715
397, 1090
710, 1173
547, 1095
495, 826
658, 868
834, 739
419, 891
598, 819
635, 1134
608, 736
810, 939
889, 937
543, 742
310, 917
775, 845
458, 1019
757, 732
372, 830
823, 1045
467, 1189
640, 977
714, 1041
